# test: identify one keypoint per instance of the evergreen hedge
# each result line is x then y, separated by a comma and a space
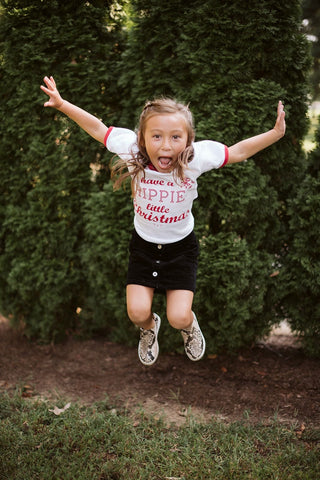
45, 160
301, 273
232, 64
64, 235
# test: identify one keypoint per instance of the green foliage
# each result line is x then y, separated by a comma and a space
99, 442
44, 159
232, 284
311, 25
232, 65
64, 233
301, 272
104, 253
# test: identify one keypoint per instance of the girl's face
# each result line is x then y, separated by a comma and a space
165, 136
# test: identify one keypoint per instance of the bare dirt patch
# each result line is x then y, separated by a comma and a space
272, 379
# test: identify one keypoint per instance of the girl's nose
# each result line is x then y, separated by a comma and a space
166, 144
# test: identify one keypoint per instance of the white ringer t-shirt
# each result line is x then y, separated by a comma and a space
163, 205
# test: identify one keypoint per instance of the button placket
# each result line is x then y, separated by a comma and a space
155, 273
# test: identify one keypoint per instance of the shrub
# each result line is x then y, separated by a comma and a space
232, 284
44, 159
231, 65
301, 272
63, 242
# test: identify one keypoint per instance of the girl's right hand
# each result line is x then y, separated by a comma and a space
55, 100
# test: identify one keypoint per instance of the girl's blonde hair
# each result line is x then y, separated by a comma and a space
139, 160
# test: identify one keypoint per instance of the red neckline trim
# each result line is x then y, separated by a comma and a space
152, 167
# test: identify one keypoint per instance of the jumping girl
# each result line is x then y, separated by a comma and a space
163, 161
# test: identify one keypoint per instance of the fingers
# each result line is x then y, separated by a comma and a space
280, 113
280, 108
50, 85
49, 82
49, 89
46, 90
280, 122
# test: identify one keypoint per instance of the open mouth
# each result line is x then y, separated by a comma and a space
165, 162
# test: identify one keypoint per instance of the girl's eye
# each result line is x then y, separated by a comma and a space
176, 137
156, 136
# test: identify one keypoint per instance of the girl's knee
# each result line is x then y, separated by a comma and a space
180, 320
138, 314
139, 303
179, 308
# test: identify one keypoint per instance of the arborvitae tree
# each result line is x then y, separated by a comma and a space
63, 238
108, 225
44, 158
311, 16
232, 63
301, 272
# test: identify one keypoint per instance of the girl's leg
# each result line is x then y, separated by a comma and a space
179, 308
181, 316
139, 305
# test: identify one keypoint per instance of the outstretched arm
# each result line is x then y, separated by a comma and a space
249, 147
91, 124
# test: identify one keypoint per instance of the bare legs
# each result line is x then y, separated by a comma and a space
179, 307
139, 305
179, 314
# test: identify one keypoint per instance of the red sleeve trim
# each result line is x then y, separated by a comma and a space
107, 135
226, 156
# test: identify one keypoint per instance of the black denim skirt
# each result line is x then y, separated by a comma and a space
163, 267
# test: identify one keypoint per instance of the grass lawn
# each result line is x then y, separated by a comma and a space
99, 442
